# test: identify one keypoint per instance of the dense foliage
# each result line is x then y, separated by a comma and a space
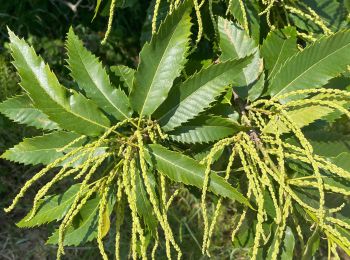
242, 106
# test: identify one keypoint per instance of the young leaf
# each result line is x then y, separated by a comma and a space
236, 43
21, 110
205, 129
288, 245
181, 168
51, 208
125, 73
75, 113
40, 149
161, 61
314, 66
193, 96
278, 46
91, 77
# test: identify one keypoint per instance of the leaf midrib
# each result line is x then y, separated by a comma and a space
60, 105
278, 57
88, 72
311, 67
31, 52
173, 108
177, 166
158, 66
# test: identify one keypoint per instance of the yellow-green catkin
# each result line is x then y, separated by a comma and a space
155, 16
119, 216
208, 159
43, 191
339, 222
309, 154
171, 199
281, 228
309, 17
267, 11
218, 206
333, 249
280, 162
38, 175
317, 18
164, 211
67, 146
73, 211
244, 14
154, 249
331, 92
164, 224
110, 21
199, 20
330, 104
259, 200
129, 173
102, 209
334, 232
76, 205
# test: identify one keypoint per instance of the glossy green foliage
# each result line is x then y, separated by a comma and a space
190, 98
161, 61
311, 67
51, 208
183, 169
21, 110
242, 118
74, 112
41, 149
92, 78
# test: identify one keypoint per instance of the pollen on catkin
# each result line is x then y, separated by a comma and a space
110, 21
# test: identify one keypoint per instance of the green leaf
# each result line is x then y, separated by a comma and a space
304, 116
40, 149
312, 245
314, 66
161, 61
205, 129
86, 228
236, 43
181, 168
253, 18
288, 245
51, 208
193, 96
21, 110
278, 46
125, 73
74, 112
342, 160
331, 12
328, 144
91, 77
